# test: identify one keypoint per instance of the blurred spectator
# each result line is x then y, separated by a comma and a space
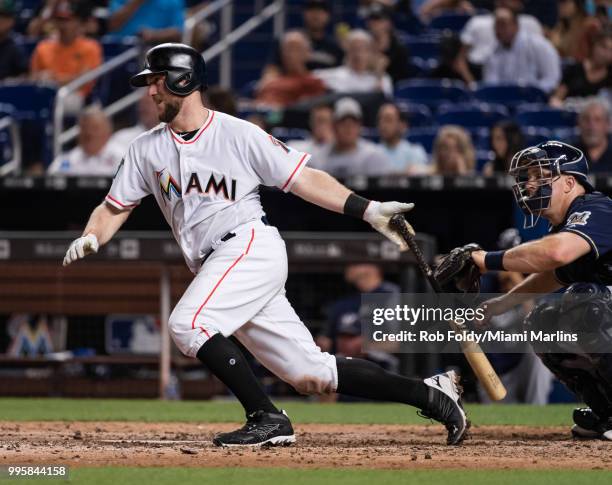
68, 56
520, 57
600, 9
359, 74
392, 55
567, 35
343, 335
324, 51
479, 33
594, 139
506, 140
453, 152
350, 154
295, 82
94, 155
591, 75
259, 119
147, 119
321, 123
432, 8
43, 23
221, 99
13, 61
407, 158
154, 21
453, 62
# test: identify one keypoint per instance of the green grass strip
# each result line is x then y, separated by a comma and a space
35, 409
267, 476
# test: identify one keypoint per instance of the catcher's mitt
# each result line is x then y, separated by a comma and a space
457, 272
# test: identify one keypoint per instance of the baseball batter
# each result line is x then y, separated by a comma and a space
204, 168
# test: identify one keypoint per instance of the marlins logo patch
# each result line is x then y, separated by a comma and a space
167, 184
578, 218
279, 143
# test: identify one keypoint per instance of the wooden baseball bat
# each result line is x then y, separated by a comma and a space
473, 353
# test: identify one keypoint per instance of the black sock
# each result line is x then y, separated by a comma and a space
225, 361
362, 378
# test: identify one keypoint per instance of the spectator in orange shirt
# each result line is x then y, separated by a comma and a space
68, 55
295, 82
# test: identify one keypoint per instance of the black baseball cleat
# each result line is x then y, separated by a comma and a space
588, 425
444, 405
261, 428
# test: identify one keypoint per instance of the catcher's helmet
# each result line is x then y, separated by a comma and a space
535, 168
183, 66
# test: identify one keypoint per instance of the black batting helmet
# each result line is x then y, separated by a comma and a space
183, 66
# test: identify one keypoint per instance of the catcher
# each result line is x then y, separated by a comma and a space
576, 256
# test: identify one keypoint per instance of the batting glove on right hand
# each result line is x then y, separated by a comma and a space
81, 247
378, 214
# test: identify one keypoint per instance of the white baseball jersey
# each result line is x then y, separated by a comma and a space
208, 185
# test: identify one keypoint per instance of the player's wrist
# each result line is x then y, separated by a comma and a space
494, 260
357, 206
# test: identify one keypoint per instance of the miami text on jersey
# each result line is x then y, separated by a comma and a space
212, 185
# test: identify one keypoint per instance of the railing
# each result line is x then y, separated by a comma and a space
15, 164
199, 16
275, 10
59, 136
222, 48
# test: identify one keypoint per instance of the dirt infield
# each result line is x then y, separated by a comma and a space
319, 446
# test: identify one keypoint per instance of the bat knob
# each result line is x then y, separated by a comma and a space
396, 221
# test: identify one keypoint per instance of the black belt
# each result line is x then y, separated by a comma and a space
229, 236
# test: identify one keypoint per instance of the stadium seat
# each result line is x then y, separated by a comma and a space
28, 44
545, 116
449, 21
509, 94
33, 108
477, 115
113, 46
286, 134
422, 47
423, 136
6, 146
432, 92
30, 101
418, 115
115, 84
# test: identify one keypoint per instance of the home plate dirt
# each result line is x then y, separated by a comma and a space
318, 446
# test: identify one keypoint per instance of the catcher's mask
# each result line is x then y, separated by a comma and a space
536, 168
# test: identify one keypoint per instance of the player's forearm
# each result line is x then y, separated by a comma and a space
534, 257
320, 188
104, 222
545, 254
121, 16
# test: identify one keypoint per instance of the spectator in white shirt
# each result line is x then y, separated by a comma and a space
350, 154
407, 158
479, 32
360, 72
147, 119
321, 123
94, 155
520, 57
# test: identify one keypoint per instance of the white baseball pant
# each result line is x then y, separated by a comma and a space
240, 290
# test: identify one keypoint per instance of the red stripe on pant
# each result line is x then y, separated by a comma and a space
232, 266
